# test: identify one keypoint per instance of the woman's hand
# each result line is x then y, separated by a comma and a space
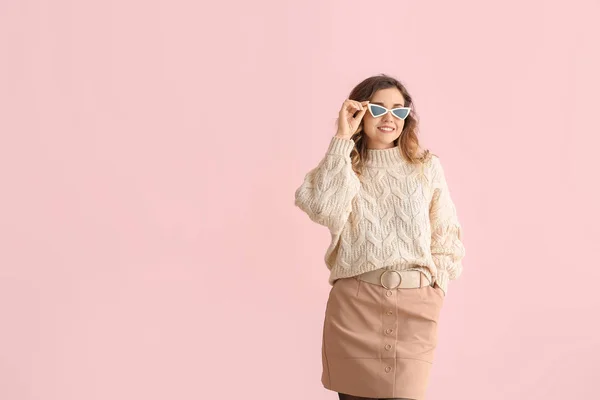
347, 122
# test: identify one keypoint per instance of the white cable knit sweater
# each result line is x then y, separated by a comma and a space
401, 216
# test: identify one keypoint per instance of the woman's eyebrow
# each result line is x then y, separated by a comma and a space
381, 104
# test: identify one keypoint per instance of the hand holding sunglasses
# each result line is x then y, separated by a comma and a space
347, 122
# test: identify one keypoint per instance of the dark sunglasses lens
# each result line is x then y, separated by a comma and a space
377, 110
400, 113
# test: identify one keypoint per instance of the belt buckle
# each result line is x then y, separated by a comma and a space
386, 271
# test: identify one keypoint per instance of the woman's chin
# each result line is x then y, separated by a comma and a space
386, 138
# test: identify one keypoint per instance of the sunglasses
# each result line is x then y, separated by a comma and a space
378, 111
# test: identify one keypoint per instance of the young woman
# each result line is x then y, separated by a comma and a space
395, 245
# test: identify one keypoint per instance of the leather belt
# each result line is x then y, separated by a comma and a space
392, 279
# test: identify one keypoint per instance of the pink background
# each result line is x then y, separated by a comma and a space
149, 154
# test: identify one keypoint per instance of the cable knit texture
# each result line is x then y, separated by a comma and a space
397, 216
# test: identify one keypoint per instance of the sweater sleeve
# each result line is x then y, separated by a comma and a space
327, 191
447, 248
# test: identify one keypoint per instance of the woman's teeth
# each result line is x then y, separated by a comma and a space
386, 129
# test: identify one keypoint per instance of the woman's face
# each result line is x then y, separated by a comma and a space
378, 138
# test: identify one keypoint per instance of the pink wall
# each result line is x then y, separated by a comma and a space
149, 153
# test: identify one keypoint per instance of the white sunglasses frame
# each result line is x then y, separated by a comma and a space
388, 111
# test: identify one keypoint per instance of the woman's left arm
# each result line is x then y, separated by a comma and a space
447, 248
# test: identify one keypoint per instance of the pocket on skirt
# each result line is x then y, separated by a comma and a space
438, 290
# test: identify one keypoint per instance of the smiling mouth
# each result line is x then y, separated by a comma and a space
386, 130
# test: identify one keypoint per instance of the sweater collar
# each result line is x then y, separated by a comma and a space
383, 157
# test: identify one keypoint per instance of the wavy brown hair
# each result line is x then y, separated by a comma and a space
407, 142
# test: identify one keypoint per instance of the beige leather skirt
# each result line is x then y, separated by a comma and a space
380, 342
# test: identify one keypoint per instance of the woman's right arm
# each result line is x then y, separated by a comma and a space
328, 190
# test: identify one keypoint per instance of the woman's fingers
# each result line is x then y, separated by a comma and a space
359, 105
360, 115
351, 113
353, 105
